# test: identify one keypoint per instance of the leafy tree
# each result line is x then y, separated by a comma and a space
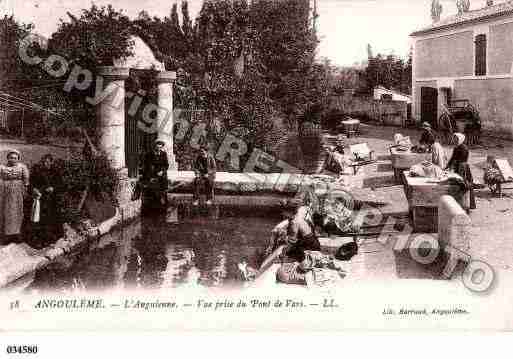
96, 38
286, 44
187, 28
27, 81
222, 40
388, 71
14, 72
249, 65
349, 78
148, 29
406, 83
162, 36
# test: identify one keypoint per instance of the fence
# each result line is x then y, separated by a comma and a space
3, 120
12, 122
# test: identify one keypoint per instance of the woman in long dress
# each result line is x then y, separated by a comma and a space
438, 155
14, 182
459, 164
46, 184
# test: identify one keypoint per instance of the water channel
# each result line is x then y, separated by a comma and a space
202, 248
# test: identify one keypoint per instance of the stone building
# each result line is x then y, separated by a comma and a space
468, 56
382, 93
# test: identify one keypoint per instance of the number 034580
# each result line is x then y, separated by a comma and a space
21, 349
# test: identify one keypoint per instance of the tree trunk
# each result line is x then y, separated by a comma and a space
310, 141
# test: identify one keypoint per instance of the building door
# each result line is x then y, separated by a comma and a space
429, 105
137, 140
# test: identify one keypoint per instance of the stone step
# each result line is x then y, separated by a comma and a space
389, 201
267, 201
285, 184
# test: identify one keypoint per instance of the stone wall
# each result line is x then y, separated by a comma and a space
20, 260
128, 209
445, 56
500, 49
453, 224
453, 55
447, 61
386, 112
492, 98
248, 184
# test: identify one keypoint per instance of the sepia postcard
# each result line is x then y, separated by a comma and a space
255, 165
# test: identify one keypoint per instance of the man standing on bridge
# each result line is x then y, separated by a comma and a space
154, 174
204, 167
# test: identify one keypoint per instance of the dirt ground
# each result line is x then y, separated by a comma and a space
492, 221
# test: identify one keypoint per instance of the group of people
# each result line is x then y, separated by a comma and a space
458, 162
29, 201
154, 178
29, 198
296, 239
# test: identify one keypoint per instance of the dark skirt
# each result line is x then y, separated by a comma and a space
463, 170
154, 196
307, 243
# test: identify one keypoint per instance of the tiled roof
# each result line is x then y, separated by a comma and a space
469, 17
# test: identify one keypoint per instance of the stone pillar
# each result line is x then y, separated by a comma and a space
454, 226
111, 134
165, 81
111, 111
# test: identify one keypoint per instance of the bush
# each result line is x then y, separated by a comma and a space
38, 129
80, 172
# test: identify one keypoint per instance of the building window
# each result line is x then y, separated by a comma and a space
480, 69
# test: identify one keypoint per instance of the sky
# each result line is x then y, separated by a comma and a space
345, 26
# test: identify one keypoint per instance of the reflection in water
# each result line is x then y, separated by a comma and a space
180, 261
193, 277
132, 277
77, 285
200, 251
219, 272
